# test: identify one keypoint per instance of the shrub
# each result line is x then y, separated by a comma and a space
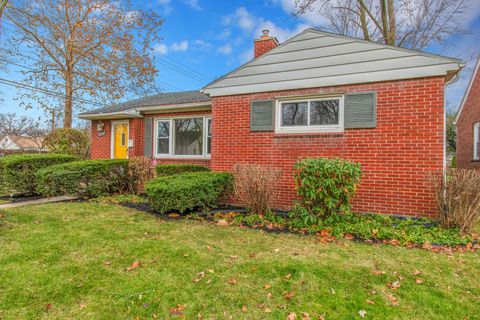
255, 186
140, 170
169, 169
17, 172
325, 186
188, 191
68, 141
458, 198
87, 178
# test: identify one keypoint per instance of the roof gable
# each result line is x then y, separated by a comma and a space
475, 75
315, 58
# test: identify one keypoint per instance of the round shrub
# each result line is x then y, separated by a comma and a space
169, 169
68, 141
87, 178
17, 172
188, 191
326, 185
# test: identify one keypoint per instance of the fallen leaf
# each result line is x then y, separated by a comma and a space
269, 295
267, 286
211, 271
394, 285
177, 311
82, 306
134, 265
244, 308
419, 281
305, 316
48, 307
107, 263
268, 310
276, 250
321, 317
252, 255
222, 222
416, 272
288, 276
392, 299
289, 295
232, 282
332, 291
378, 272
362, 313
371, 302
292, 316
174, 215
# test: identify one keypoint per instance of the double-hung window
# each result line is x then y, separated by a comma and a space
310, 115
183, 137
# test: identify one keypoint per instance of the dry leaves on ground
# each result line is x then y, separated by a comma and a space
134, 265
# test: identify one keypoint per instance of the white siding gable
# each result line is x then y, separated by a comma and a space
316, 59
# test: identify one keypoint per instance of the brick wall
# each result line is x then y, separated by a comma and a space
396, 156
263, 45
100, 147
470, 115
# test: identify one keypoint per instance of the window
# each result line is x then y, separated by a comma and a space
183, 137
123, 139
163, 137
476, 140
209, 136
315, 114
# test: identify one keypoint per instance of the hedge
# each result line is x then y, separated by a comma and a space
17, 172
87, 178
188, 191
169, 169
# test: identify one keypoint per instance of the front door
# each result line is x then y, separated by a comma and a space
120, 140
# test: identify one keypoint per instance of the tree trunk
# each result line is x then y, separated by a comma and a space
67, 114
363, 23
391, 20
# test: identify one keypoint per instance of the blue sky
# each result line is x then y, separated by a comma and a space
204, 39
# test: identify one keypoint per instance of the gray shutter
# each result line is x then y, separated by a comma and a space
148, 148
360, 110
262, 115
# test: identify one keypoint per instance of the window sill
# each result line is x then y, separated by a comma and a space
475, 160
302, 135
160, 157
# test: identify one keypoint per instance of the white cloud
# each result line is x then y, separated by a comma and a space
246, 55
176, 47
179, 46
310, 17
193, 4
225, 49
161, 48
201, 44
165, 6
163, 2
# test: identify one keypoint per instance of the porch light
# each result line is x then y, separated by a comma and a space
100, 126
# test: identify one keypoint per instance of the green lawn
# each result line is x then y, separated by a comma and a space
69, 261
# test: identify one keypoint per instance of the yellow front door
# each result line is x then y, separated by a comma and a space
120, 140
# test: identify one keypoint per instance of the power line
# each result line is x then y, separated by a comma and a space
187, 67
45, 91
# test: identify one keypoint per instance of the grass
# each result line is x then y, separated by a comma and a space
69, 261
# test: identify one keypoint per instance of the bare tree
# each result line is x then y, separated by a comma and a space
405, 23
22, 126
94, 49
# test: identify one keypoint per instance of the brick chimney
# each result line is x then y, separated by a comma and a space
264, 44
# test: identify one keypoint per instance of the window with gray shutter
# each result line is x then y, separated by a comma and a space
148, 148
360, 110
262, 115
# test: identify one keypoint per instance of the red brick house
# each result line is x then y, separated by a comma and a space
316, 95
468, 124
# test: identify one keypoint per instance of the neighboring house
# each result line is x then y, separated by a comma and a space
20, 144
316, 95
468, 124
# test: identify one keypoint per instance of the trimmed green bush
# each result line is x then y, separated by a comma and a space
169, 169
326, 185
17, 172
87, 178
188, 191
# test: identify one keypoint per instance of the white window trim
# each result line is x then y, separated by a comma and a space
476, 138
308, 129
170, 154
112, 135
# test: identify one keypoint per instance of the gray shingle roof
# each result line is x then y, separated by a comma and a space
170, 98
